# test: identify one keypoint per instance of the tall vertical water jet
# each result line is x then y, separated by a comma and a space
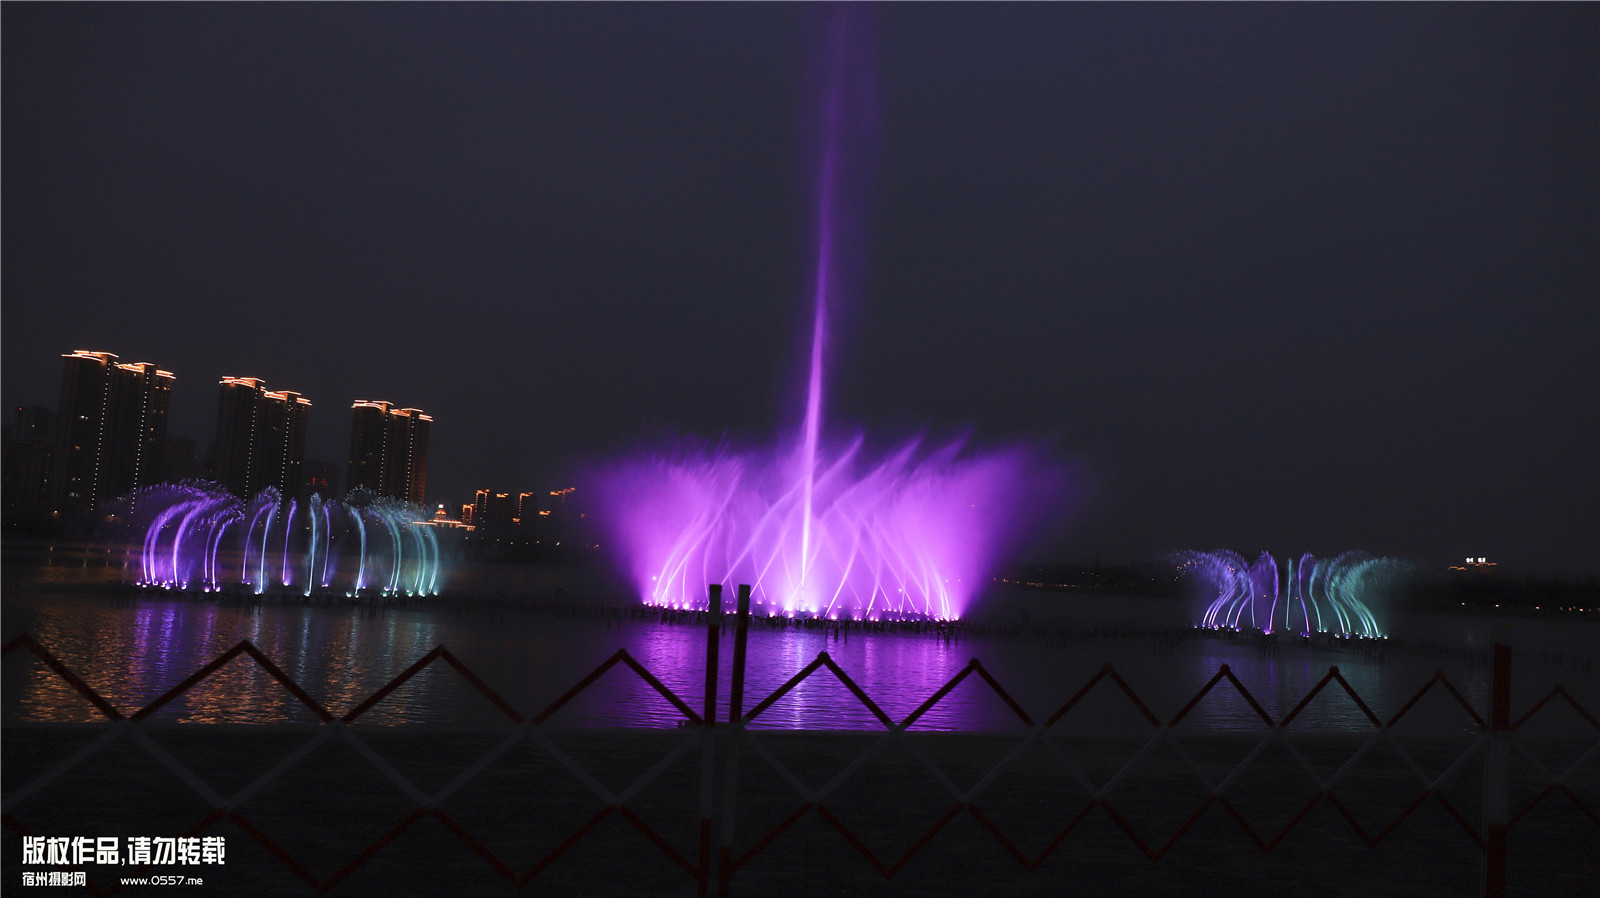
827, 183
823, 528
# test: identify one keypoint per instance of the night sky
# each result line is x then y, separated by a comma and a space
1286, 277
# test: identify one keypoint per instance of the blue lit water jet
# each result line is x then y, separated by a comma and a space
197, 536
1304, 595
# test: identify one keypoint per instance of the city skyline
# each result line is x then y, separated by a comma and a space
1301, 278
258, 442
247, 409
108, 437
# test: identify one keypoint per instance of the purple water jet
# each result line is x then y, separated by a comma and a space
819, 526
911, 534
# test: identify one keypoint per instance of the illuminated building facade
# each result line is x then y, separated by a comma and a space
528, 516
494, 513
562, 522
504, 515
389, 450
261, 438
85, 377
113, 429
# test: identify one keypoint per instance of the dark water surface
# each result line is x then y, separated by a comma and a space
133, 647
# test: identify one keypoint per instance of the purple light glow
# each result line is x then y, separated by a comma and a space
912, 534
814, 525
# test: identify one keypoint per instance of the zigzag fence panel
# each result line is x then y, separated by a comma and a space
713, 806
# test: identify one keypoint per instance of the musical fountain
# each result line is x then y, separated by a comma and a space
1305, 595
818, 524
198, 536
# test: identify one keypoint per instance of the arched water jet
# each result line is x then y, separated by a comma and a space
1304, 596
195, 532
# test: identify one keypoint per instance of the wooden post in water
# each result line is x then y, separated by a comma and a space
741, 634
730, 783
708, 734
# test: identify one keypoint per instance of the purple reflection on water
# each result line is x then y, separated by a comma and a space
133, 652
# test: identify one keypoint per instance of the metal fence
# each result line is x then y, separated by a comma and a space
719, 854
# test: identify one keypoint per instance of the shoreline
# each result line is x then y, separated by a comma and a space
534, 584
1059, 629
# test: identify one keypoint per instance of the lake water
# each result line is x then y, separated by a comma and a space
132, 647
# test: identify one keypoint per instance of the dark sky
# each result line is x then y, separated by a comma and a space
1288, 277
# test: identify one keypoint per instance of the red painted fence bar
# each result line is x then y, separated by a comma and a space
1497, 728
1497, 776
730, 787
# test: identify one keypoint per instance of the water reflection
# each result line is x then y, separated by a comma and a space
133, 651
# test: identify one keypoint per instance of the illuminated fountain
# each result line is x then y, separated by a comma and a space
820, 524
198, 536
1304, 595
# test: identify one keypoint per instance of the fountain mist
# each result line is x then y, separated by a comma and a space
1304, 595
199, 536
819, 527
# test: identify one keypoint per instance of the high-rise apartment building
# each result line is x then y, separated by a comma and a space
81, 426
494, 513
28, 466
528, 516
113, 428
389, 450
141, 395
504, 515
261, 438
